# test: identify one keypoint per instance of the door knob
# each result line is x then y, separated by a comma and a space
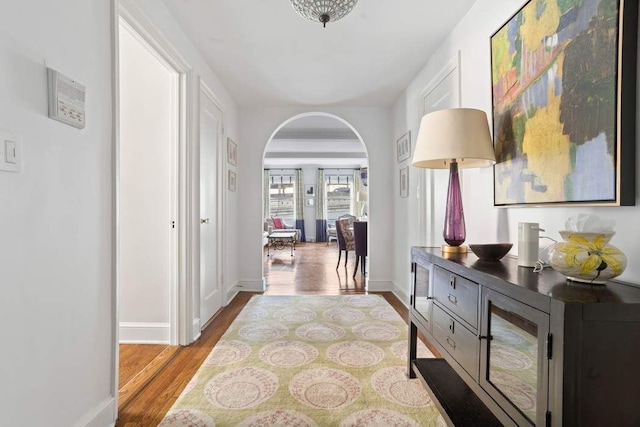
204, 220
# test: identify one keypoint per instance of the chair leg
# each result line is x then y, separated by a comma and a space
364, 268
355, 269
339, 255
346, 257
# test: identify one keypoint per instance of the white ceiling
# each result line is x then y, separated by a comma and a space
315, 141
267, 55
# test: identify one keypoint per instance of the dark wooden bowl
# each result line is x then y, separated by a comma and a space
491, 251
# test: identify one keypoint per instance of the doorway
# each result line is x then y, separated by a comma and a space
170, 121
313, 169
149, 138
149, 114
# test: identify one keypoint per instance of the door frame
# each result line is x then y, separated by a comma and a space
426, 204
188, 184
182, 289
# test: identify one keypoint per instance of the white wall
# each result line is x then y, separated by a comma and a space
148, 132
56, 217
374, 126
56, 308
484, 222
159, 16
406, 221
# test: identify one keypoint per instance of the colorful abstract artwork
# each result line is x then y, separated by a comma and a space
557, 100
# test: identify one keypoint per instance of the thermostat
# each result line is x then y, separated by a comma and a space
66, 99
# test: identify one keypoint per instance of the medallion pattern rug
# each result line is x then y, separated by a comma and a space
308, 361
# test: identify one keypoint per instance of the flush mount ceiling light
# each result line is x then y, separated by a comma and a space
323, 10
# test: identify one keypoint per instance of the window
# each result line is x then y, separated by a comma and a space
282, 197
338, 196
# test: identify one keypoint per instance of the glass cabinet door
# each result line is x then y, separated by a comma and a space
514, 368
422, 294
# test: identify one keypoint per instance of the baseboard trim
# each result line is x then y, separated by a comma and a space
251, 286
195, 329
380, 286
231, 293
102, 415
145, 333
401, 295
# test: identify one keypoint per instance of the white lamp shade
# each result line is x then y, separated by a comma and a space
460, 134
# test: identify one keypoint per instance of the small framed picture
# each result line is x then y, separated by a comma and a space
309, 201
309, 191
231, 180
232, 152
403, 147
404, 182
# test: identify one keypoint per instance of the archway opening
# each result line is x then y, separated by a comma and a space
315, 170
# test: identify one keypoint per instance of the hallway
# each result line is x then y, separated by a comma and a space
311, 271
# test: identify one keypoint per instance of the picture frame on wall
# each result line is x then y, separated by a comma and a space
404, 182
231, 180
232, 152
309, 202
403, 147
563, 104
309, 190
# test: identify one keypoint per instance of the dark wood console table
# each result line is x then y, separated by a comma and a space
524, 348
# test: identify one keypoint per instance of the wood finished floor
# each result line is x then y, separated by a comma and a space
133, 359
312, 271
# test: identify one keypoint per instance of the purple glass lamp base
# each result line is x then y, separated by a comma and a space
454, 229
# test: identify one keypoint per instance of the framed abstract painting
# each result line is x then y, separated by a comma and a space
564, 93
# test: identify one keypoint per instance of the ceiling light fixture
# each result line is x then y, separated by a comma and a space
323, 10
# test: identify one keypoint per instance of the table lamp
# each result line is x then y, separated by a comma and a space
454, 138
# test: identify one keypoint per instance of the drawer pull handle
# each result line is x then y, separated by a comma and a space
486, 337
451, 342
452, 281
452, 326
452, 299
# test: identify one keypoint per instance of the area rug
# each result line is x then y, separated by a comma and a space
308, 361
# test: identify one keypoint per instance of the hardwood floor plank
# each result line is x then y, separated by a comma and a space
154, 401
134, 357
135, 385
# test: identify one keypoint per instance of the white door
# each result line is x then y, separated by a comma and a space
210, 199
444, 93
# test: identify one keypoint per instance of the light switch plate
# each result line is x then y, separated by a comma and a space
10, 155
10, 152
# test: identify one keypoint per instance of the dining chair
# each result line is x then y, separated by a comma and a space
360, 240
344, 232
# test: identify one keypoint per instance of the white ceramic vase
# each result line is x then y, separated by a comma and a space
587, 257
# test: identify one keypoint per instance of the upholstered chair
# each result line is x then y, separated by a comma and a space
344, 231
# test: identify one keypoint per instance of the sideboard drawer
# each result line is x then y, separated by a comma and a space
457, 340
458, 294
